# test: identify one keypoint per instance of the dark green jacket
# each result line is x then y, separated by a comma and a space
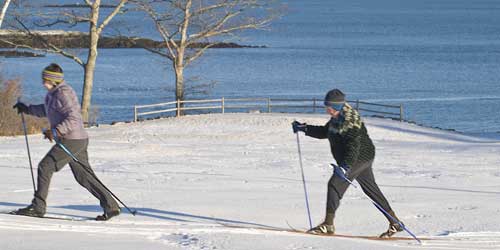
349, 140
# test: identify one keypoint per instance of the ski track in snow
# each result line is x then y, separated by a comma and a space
198, 235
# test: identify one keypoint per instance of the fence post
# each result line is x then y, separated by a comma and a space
400, 112
314, 105
178, 107
222, 105
135, 113
357, 104
269, 105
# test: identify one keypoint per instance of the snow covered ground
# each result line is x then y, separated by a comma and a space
185, 174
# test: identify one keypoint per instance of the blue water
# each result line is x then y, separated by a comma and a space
439, 58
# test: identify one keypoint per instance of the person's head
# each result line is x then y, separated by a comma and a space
52, 76
334, 102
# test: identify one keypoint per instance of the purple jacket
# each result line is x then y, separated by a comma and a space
63, 111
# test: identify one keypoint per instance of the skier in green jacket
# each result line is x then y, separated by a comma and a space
354, 152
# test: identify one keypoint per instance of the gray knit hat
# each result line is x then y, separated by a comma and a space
334, 97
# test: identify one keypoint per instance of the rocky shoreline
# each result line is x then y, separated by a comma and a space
71, 39
19, 53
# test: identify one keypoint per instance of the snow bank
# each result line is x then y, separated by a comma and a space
187, 175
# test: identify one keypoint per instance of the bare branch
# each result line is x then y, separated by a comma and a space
153, 50
191, 21
4, 11
49, 46
208, 9
54, 50
183, 28
72, 20
198, 53
111, 15
158, 52
95, 29
215, 27
167, 37
233, 29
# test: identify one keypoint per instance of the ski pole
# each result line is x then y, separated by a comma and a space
338, 171
66, 150
28, 148
303, 180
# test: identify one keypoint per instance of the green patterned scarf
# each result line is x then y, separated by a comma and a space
349, 118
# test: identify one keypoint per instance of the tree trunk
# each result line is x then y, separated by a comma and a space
90, 65
179, 60
4, 11
179, 84
88, 82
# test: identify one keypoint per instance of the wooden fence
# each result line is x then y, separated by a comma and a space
265, 105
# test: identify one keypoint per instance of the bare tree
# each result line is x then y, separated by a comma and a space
188, 27
95, 30
90, 16
4, 11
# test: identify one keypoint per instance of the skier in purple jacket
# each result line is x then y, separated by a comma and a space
62, 109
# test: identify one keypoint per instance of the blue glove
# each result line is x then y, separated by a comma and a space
345, 166
297, 126
341, 170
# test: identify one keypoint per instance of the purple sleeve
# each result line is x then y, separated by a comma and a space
37, 110
68, 107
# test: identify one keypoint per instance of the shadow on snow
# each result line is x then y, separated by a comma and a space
150, 212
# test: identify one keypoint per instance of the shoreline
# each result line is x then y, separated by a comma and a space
19, 53
75, 40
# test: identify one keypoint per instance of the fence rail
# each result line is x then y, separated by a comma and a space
267, 105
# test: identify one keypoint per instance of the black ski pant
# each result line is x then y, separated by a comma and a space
55, 160
363, 173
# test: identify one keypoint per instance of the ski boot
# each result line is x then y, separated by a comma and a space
108, 215
28, 211
322, 228
393, 229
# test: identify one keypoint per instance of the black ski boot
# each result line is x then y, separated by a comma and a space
108, 215
393, 229
322, 228
28, 211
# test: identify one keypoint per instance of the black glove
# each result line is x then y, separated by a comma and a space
21, 107
297, 126
49, 134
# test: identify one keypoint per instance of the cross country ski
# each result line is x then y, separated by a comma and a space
52, 216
